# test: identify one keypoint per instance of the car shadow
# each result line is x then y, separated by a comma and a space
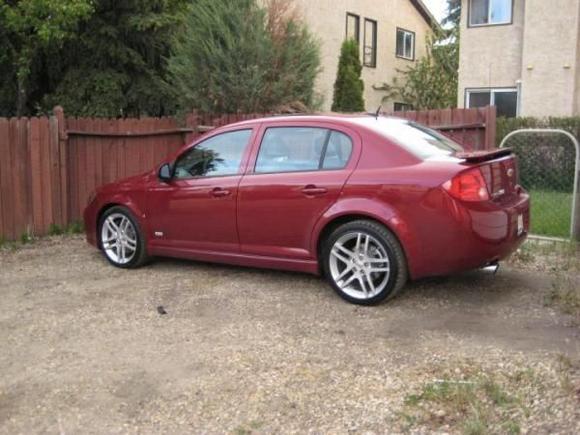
472, 287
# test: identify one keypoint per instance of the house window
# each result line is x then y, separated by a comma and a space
370, 47
490, 12
353, 27
405, 44
402, 107
505, 100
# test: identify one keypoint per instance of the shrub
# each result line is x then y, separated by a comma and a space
349, 87
234, 56
545, 162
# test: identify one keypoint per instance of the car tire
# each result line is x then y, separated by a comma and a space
121, 238
364, 262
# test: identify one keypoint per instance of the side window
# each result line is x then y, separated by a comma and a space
338, 151
295, 149
217, 156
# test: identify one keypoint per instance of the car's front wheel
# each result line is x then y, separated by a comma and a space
121, 239
364, 262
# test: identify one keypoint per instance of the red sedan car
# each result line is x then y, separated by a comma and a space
369, 202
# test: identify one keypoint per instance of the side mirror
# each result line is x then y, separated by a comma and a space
165, 173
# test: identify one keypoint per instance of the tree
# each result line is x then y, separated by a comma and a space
234, 56
29, 27
453, 13
349, 87
116, 66
94, 57
431, 83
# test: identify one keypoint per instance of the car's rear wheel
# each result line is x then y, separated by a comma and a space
364, 262
121, 239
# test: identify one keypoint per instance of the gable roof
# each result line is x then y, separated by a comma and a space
424, 11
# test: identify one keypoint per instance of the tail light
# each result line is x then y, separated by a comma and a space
469, 185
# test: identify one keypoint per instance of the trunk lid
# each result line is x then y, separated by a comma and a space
499, 169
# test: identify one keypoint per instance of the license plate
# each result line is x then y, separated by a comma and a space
520, 224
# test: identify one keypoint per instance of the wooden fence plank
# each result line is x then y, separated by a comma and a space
46, 165
55, 172
35, 174
5, 212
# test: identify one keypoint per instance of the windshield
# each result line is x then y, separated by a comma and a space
423, 142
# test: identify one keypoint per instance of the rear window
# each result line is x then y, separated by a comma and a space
421, 141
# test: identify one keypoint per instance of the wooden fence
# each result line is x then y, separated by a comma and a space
473, 128
50, 165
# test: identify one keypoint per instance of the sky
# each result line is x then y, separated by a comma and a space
437, 8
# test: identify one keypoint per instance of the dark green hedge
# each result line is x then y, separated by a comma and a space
545, 162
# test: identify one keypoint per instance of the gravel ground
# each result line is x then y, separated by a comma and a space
84, 348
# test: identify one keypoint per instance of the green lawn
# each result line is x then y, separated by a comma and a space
550, 213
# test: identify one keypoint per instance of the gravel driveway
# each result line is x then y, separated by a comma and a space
83, 348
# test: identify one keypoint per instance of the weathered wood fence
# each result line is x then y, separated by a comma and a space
50, 165
473, 128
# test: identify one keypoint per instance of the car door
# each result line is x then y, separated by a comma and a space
197, 208
296, 174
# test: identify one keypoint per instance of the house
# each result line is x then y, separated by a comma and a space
522, 56
391, 36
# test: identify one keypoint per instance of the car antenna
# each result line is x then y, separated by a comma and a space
378, 112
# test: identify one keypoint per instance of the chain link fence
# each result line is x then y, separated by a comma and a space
548, 170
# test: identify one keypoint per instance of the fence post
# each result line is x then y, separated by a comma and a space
576, 203
490, 127
61, 135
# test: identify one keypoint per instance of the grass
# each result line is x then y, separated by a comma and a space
550, 213
28, 237
478, 406
565, 294
248, 429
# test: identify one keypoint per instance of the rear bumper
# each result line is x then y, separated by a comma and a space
479, 234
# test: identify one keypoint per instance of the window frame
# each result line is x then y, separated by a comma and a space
357, 26
374, 42
329, 131
489, 24
492, 92
243, 160
400, 29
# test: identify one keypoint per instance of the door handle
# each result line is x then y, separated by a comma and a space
312, 190
218, 192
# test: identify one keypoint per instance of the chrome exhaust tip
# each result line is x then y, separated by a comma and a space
492, 267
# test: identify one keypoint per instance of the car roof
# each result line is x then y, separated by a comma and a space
354, 120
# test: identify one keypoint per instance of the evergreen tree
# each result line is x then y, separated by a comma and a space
234, 56
116, 65
349, 87
453, 12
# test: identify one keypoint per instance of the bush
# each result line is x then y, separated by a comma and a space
349, 87
234, 56
507, 125
546, 162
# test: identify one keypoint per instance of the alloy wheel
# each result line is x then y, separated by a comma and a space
359, 265
119, 238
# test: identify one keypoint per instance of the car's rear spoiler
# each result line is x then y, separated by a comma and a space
484, 155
